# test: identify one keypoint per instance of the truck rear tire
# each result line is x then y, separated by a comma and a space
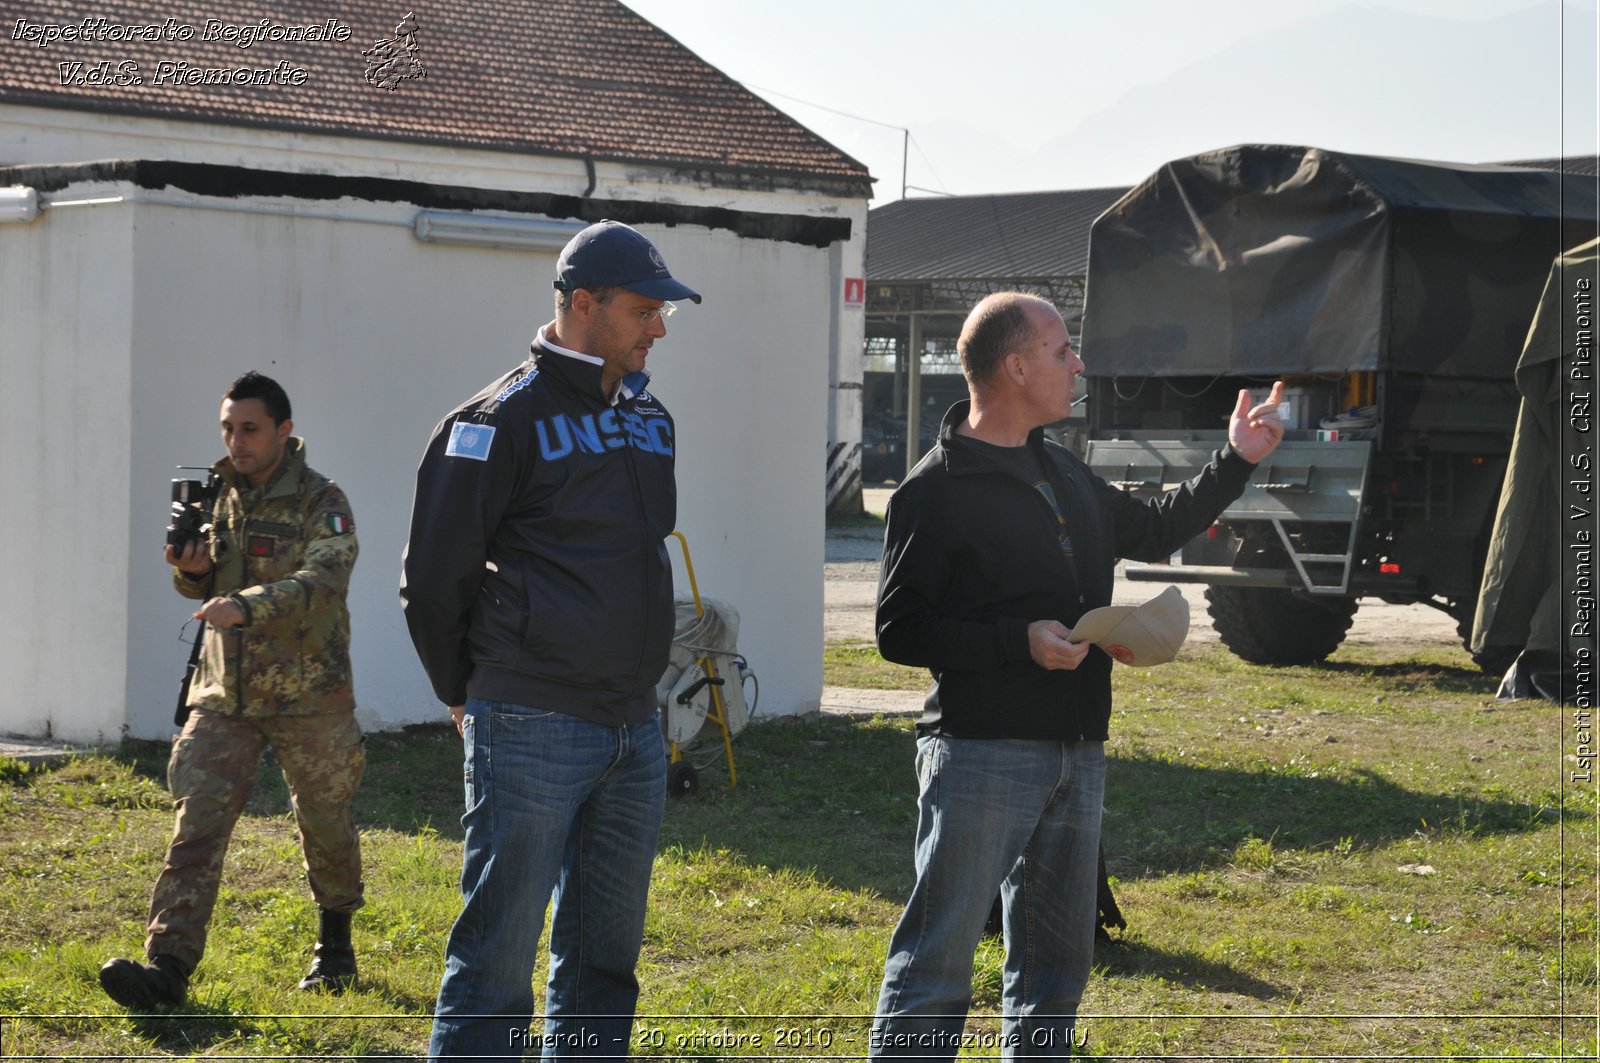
1268, 625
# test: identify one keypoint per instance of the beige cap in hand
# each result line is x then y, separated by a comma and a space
1140, 635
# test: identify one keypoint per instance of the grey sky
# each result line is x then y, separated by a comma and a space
1038, 94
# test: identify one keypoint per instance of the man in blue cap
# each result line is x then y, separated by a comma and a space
538, 593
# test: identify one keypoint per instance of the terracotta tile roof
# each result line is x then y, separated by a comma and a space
543, 77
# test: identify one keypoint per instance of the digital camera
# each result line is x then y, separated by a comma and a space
191, 511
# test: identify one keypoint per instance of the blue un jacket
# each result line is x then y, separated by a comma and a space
535, 570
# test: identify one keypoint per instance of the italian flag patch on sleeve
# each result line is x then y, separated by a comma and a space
339, 523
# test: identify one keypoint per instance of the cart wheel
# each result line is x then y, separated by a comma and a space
682, 780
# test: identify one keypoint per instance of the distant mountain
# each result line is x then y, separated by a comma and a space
1346, 80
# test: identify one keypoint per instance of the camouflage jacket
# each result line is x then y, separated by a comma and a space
284, 553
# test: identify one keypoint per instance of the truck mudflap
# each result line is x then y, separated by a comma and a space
1302, 482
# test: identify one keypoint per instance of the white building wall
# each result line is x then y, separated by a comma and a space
364, 327
744, 378
375, 336
41, 135
145, 309
65, 421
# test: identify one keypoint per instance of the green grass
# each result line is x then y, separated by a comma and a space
867, 521
857, 664
1372, 859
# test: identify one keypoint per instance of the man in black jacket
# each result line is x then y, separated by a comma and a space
538, 594
997, 543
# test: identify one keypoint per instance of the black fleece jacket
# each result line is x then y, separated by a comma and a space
536, 571
972, 556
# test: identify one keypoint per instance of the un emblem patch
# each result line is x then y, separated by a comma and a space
468, 440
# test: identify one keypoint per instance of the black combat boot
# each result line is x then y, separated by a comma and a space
333, 966
163, 982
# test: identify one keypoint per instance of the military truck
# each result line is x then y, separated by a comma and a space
1392, 297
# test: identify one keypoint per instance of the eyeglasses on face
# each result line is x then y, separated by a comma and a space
664, 311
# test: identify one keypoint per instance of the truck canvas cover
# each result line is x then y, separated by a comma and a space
1520, 605
1273, 260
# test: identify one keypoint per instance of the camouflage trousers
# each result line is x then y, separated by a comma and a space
212, 770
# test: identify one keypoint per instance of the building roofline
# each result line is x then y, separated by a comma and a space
737, 177
235, 182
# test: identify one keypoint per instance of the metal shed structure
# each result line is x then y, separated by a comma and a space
930, 260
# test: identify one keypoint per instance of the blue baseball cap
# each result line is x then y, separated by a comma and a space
609, 254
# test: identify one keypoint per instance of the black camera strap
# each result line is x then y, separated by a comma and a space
181, 716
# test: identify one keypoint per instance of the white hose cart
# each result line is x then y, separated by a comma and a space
706, 681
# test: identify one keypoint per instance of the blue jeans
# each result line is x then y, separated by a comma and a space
558, 805
1021, 817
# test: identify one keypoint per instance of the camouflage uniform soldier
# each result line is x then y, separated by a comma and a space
275, 671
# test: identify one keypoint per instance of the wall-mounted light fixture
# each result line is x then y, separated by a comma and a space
19, 203
482, 230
